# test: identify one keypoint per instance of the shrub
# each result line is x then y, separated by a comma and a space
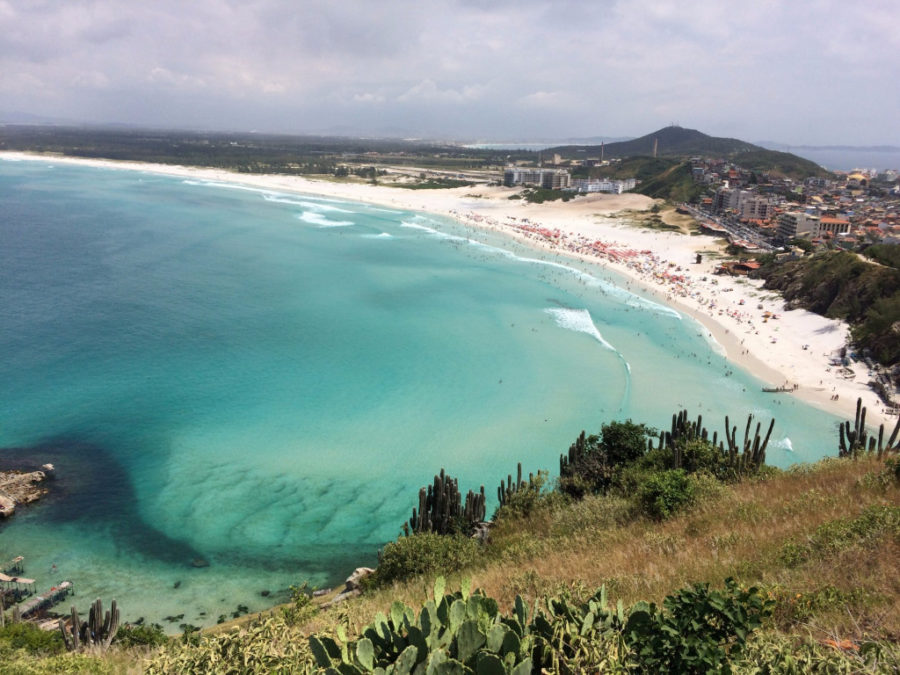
892, 468
595, 463
696, 631
870, 527
264, 646
774, 653
131, 636
664, 493
529, 498
425, 553
301, 607
27, 636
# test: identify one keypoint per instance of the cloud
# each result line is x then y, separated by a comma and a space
616, 67
427, 91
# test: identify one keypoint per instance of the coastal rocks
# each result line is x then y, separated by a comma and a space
19, 487
353, 581
352, 586
482, 531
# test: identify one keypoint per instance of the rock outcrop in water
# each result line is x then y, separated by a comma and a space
21, 487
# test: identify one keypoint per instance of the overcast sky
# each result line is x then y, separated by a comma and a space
794, 71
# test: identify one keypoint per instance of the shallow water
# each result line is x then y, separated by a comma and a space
262, 381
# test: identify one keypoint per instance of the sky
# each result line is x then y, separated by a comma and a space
793, 71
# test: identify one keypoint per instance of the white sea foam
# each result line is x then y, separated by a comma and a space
383, 235
712, 342
280, 199
412, 224
784, 444
272, 196
612, 290
578, 320
221, 184
417, 226
314, 218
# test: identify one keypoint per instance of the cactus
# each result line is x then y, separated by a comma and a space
440, 509
853, 442
750, 455
453, 633
97, 632
577, 451
507, 491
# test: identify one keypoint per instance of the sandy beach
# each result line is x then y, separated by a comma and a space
795, 349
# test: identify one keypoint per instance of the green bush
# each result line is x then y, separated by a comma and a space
869, 528
892, 467
301, 607
261, 646
530, 498
696, 631
775, 653
425, 553
664, 493
595, 462
27, 636
132, 636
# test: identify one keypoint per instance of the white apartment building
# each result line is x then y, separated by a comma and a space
755, 208
792, 224
603, 185
553, 179
835, 226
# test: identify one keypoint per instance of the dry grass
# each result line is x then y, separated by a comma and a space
739, 532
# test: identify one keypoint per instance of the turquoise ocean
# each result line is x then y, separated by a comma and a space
262, 381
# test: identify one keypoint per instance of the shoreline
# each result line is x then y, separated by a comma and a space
794, 348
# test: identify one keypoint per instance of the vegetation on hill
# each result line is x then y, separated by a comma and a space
670, 141
653, 552
777, 163
885, 254
247, 152
675, 184
677, 142
841, 285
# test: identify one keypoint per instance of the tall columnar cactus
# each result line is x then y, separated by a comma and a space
567, 463
504, 492
440, 507
749, 455
681, 431
853, 442
97, 632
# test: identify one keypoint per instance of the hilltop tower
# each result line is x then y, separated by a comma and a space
601, 152
655, 146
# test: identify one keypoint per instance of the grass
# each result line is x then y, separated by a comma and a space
737, 531
822, 540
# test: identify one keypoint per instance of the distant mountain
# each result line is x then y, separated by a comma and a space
670, 141
678, 142
19, 117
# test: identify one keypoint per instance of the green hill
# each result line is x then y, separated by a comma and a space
670, 141
678, 142
674, 184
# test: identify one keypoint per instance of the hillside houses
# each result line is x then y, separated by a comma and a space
848, 210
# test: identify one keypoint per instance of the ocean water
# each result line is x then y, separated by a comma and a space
262, 381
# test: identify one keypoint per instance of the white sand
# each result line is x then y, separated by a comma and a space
795, 349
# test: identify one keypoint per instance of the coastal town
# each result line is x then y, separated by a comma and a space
759, 210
